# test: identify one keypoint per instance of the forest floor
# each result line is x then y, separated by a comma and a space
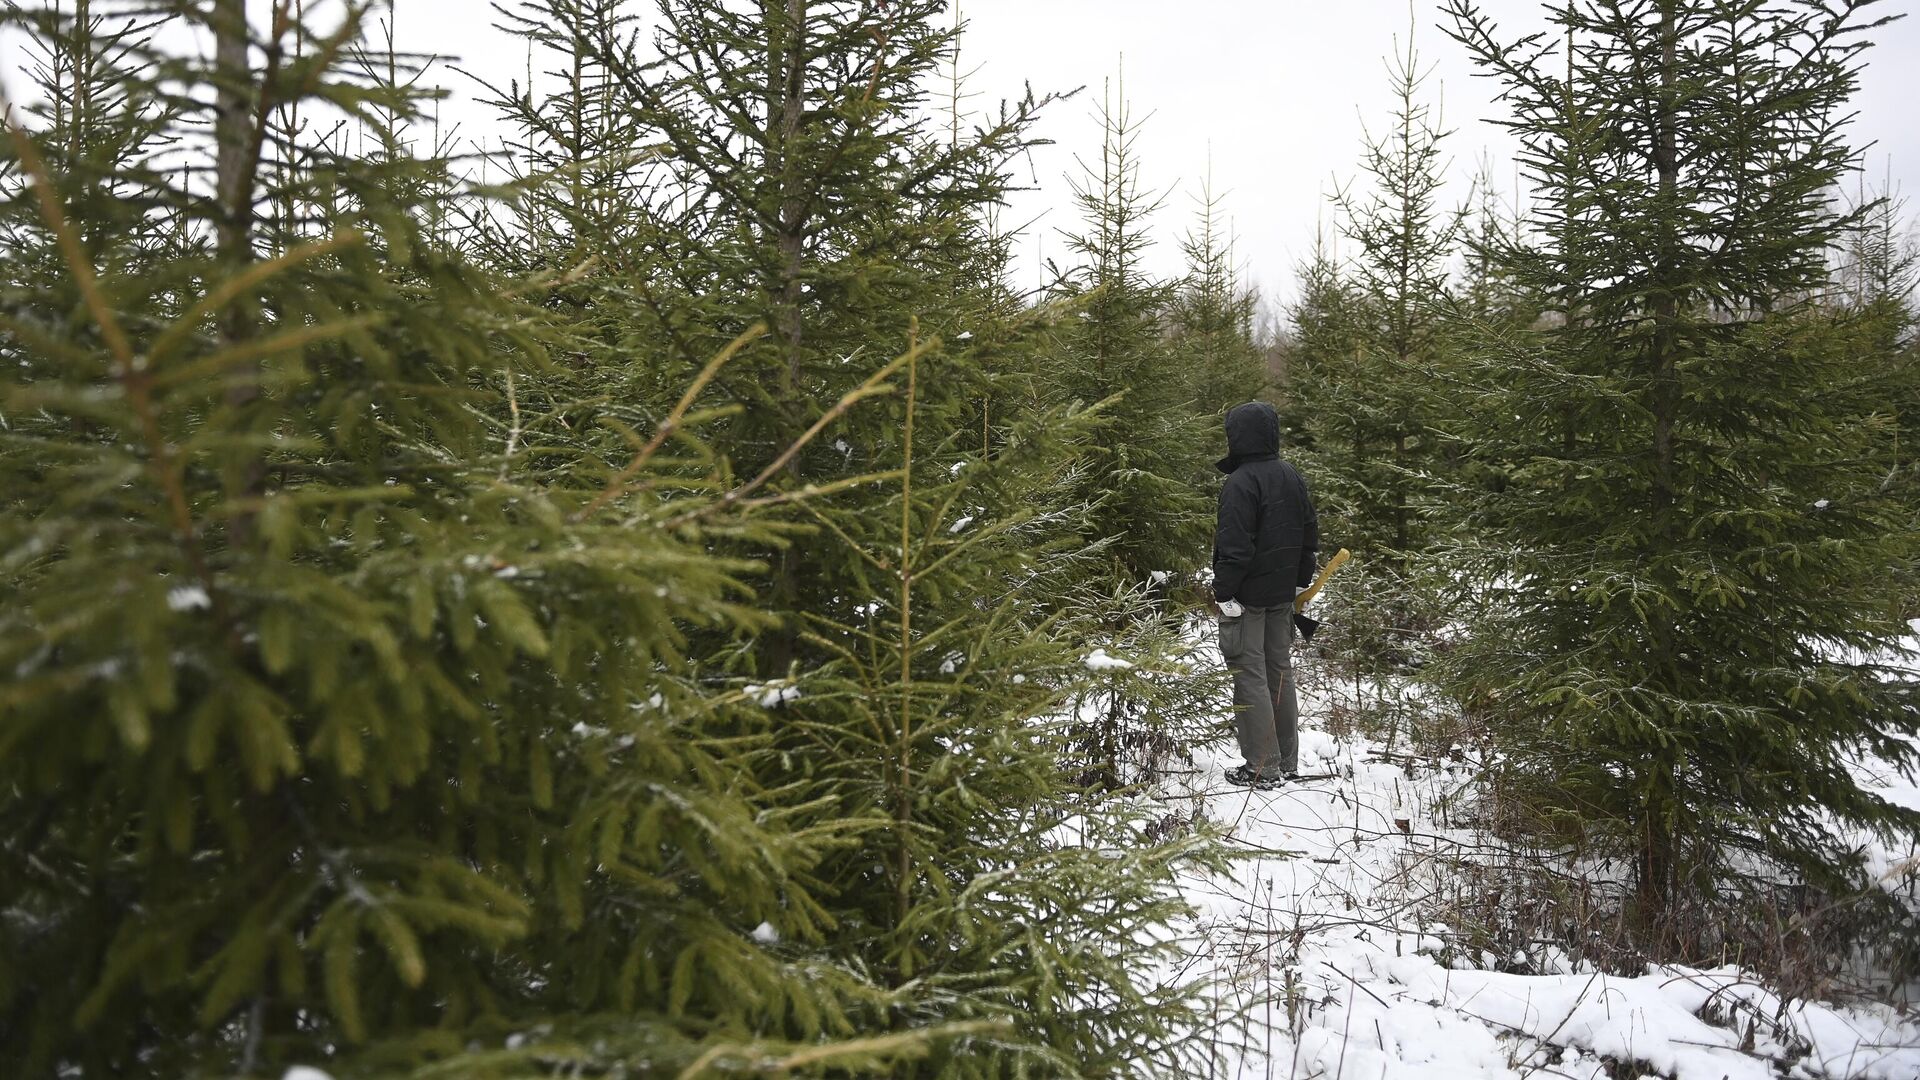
1342, 937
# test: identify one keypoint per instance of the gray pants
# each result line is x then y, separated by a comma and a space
1258, 648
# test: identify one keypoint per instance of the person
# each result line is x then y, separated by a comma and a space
1264, 553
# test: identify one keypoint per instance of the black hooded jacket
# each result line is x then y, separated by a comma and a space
1268, 538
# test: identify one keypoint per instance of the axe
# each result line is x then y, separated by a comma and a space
1303, 625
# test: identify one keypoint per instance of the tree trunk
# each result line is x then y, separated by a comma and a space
1658, 860
233, 186
786, 102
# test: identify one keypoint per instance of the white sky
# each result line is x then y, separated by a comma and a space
1273, 92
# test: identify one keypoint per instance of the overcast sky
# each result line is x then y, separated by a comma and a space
1273, 92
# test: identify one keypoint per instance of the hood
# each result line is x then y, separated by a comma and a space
1253, 431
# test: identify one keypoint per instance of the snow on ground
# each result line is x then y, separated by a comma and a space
1323, 938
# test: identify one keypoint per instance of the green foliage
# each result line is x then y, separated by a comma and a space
999, 890
1374, 348
330, 651
1689, 545
1489, 292
384, 554
1140, 479
1323, 323
1374, 328
803, 182
1210, 317
1875, 277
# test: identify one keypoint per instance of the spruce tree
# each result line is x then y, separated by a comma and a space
943, 616
346, 717
806, 183
1876, 269
929, 644
1688, 558
1211, 313
1488, 298
1374, 398
1001, 892
1323, 323
385, 553
1373, 349
1113, 348
1486, 291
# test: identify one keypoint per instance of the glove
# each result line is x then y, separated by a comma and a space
1231, 609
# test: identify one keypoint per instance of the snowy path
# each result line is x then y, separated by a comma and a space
1318, 937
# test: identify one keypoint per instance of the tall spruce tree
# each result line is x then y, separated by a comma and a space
1374, 398
1689, 554
1115, 346
1876, 268
1323, 326
1144, 483
930, 642
1371, 348
807, 183
1211, 313
349, 718
379, 548
950, 705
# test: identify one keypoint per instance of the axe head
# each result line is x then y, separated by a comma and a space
1303, 627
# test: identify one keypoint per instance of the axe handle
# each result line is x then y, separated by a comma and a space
1339, 559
